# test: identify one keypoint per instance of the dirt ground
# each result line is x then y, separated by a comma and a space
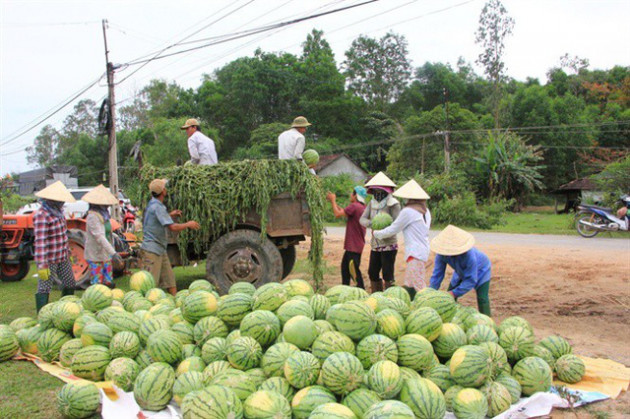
582, 295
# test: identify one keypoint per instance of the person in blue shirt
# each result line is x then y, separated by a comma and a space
454, 247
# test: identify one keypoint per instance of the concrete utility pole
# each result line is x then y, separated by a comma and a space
113, 149
447, 145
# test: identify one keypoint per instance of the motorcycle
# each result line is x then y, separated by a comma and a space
591, 219
129, 217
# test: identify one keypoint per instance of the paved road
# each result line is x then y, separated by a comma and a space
540, 240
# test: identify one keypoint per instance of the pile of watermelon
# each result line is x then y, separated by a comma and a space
283, 351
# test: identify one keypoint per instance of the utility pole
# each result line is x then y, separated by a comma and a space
113, 149
447, 145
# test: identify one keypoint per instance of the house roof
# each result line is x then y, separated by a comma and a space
584, 184
325, 161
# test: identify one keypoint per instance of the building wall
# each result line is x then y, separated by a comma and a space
343, 166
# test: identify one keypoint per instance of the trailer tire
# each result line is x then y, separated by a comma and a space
288, 260
12, 272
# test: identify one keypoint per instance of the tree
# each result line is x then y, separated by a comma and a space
494, 26
378, 70
44, 150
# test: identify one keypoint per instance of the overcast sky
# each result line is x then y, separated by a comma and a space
50, 50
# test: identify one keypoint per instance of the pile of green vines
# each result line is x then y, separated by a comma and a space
220, 196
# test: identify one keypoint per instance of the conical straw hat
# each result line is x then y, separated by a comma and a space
381, 179
411, 190
56, 192
452, 241
100, 196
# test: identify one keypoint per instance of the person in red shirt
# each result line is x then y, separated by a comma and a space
354, 240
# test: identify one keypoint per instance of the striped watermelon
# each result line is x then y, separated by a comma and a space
300, 331
470, 366
499, 399
149, 326
153, 388
479, 318
68, 350
557, 345
81, 321
160, 308
424, 398
451, 338
97, 297
123, 322
399, 293
143, 359
440, 375
189, 350
333, 293
570, 368
104, 315
533, 374
323, 326
96, 334
274, 358
355, 319
129, 298
480, 333
450, 394
376, 348
332, 411
141, 281
233, 335
123, 372
9, 344
199, 305
498, 359
207, 328
90, 362
48, 345
515, 321
176, 316
212, 402
470, 403
385, 379
301, 369
511, 385
440, 301
299, 298
390, 323
141, 304
298, 287
233, 307
45, 316
307, 399
214, 350
294, 308
164, 346
185, 332
261, 325
462, 316
280, 385
360, 400
331, 342
243, 288
192, 363
22, 323
213, 369
395, 304
409, 373
265, 404
185, 384
330, 313
200, 285
154, 294
517, 343
78, 400
544, 353
381, 220
389, 409
27, 338
415, 352
352, 294
269, 297
118, 294
244, 353
257, 375
342, 372
424, 321
320, 306
64, 315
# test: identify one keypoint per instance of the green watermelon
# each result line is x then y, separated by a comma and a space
153, 388
149, 326
440, 301
244, 353
310, 157
185, 332
243, 288
81, 321
570, 368
233, 335
65, 314
9, 345
78, 400
533, 374
390, 323
332, 411
409, 373
143, 359
381, 220
261, 325
68, 350
333, 293
389, 409
511, 385
189, 350
265, 404
352, 294
124, 344
104, 315
141, 304
294, 308
331, 342
451, 338
480, 333
300, 331
129, 298
187, 383
470, 366
123, 322
22, 323
323, 326
360, 400
298, 287
96, 334
234, 307
90, 362
557, 345
515, 321
424, 321
499, 399
319, 304
269, 297
240, 382
97, 297
198, 305
470, 403
141, 281
176, 316
301, 369
207, 328
415, 352
123, 372
214, 350
517, 343
342, 372
274, 358
28, 338
193, 363
164, 346
200, 285
45, 316
440, 375
544, 353
385, 379
279, 385
498, 359
213, 369
450, 394
48, 345
424, 398
355, 319
212, 402
376, 348
307, 399
154, 294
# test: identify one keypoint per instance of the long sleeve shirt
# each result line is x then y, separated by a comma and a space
472, 269
415, 228
202, 150
392, 208
51, 238
97, 247
291, 145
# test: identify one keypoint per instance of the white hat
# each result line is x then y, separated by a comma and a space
381, 179
452, 241
100, 196
56, 192
411, 190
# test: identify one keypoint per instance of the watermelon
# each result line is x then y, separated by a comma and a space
301, 369
274, 358
96, 333
517, 342
123, 372
261, 325
192, 363
333, 293
381, 220
515, 321
153, 388
390, 323
9, 344
480, 333
294, 308
398, 292
48, 345
450, 394
243, 288
214, 350
415, 352
462, 316
319, 304
45, 316
176, 316
234, 307
470, 403
129, 298
323, 326
104, 315
118, 294
342, 372
280, 385
154, 295
244, 353
376, 348
385, 379
331, 342
212, 402
424, 398
141, 304
355, 319
544, 353
300, 331
440, 375
143, 359
511, 385
265, 404
90, 362
360, 400
64, 315
498, 359
470, 366
28, 338
424, 321
198, 305
499, 399
78, 400
395, 304
124, 344
570, 368
207, 328
298, 287
185, 332
160, 308
310, 157
141, 281
451, 338
81, 321
233, 335
123, 322
164, 346
189, 350
68, 350
352, 294
187, 383
269, 297
332, 411
213, 369
440, 301
149, 326
557, 345
307, 399
200, 285
97, 297
409, 373
389, 409
533, 374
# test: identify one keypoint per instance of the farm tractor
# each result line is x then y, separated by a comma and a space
17, 248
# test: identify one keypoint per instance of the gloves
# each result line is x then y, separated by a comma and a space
43, 274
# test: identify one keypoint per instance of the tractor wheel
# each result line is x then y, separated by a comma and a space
80, 267
13, 272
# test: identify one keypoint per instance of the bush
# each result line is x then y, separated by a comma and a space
614, 180
342, 186
13, 202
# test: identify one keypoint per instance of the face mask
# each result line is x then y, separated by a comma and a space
379, 195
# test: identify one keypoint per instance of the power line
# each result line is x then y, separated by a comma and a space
44, 24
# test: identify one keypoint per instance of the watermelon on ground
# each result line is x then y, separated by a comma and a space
90, 362
68, 350
533, 374
212, 402
424, 398
307, 399
376, 348
470, 403
415, 352
261, 325
385, 379
499, 399
331, 342
390, 323
123, 372
274, 358
424, 321
300, 331
124, 344
301, 369
78, 400
48, 345
557, 345
164, 346
450, 338
470, 366
570, 368
511, 385
244, 353
342, 373
9, 344
265, 404
389, 409
360, 400
153, 388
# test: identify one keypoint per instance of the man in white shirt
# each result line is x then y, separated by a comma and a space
200, 147
291, 142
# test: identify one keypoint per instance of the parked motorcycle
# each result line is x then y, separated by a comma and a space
128, 217
591, 219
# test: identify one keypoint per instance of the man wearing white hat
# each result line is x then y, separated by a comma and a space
414, 221
291, 143
454, 247
201, 148
51, 243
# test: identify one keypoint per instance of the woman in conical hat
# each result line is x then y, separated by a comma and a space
383, 253
414, 221
99, 250
455, 248
51, 243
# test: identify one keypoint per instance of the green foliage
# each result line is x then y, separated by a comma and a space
12, 202
342, 186
615, 179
